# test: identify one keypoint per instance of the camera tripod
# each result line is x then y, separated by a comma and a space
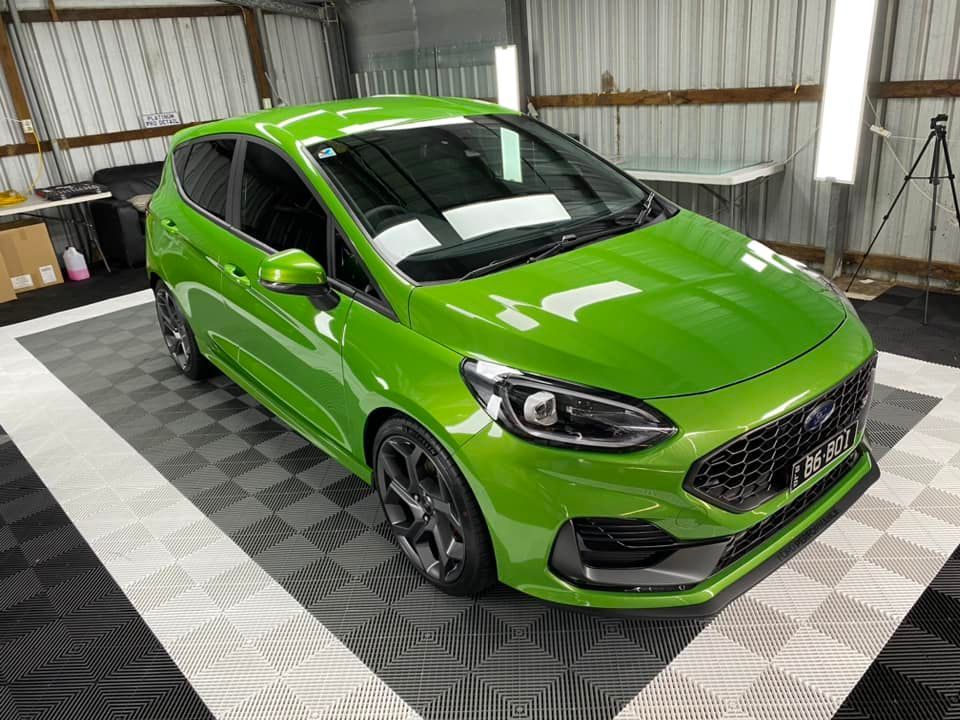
938, 137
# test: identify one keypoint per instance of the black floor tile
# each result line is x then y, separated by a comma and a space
71, 644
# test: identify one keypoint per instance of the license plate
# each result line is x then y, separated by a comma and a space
815, 460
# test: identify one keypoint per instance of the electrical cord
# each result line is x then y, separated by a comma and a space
11, 196
903, 168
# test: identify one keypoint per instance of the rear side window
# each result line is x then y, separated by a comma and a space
203, 168
277, 207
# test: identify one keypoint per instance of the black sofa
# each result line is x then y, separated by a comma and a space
119, 224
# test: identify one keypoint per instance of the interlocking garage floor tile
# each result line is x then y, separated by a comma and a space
319, 533
71, 644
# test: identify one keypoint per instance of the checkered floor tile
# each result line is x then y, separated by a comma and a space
320, 532
71, 644
798, 640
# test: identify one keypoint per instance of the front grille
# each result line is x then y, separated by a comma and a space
618, 542
754, 467
751, 538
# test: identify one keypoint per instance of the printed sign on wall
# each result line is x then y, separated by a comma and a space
161, 119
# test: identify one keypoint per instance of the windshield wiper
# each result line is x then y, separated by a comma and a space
568, 240
645, 210
497, 264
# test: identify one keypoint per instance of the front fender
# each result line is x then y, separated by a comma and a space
388, 365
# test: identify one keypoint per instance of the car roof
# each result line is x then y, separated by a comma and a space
329, 120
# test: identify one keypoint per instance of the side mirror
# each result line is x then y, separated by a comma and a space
294, 272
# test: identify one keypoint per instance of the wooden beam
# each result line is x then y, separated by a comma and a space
803, 253
52, 7
24, 148
725, 96
259, 58
716, 96
14, 82
150, 12
917, 89
100, 139
885, 263
122, 136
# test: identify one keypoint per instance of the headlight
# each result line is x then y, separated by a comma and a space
832, 287
553, 412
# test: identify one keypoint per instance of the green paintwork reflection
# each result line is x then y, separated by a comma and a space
714, 330
292, 267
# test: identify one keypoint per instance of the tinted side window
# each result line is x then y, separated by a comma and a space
276, 206
204, 171
349, 269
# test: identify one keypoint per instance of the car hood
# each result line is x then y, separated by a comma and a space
682, 306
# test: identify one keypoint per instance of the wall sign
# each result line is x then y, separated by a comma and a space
162, 119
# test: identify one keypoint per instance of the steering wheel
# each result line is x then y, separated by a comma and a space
384, 212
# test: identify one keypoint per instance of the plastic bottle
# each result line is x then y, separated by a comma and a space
76, 264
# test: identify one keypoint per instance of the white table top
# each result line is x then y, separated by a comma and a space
35, 203
698, 172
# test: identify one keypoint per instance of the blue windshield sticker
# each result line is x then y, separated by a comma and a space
326, 152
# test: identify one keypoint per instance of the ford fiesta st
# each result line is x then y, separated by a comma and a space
552, 376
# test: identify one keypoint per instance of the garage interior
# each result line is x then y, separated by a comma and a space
172, 549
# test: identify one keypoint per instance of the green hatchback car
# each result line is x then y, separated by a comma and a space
551, 375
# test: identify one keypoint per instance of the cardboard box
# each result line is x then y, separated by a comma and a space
28, 254
6, 288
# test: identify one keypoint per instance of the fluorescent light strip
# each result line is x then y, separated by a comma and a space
508, 82
845, 84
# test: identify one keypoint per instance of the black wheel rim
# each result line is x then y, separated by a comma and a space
173, 328
420, 507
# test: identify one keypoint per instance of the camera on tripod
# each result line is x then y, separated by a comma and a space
941, 151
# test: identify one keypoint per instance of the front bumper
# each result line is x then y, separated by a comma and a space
682, 566
529, 493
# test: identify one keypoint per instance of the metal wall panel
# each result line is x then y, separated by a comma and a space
582, 46
102, 76
298, 55
376, 28
925, 48
683, 44
673, 44
460, 71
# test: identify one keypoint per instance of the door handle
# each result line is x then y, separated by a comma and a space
170, 226
236, 274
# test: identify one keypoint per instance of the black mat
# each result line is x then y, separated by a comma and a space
894, 320
46, 301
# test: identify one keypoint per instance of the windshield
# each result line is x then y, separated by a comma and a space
447, 198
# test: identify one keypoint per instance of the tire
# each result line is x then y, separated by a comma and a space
434, 516
179, 339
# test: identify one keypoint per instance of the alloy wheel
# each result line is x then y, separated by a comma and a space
173, 327
420, 507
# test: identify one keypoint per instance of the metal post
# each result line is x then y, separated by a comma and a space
271, 70
517, 34
934, 192
336, 47
836, 239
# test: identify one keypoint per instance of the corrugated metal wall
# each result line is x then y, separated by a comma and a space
298, 55
102, 76
458, 71
926, 47
686, 44
427, 47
